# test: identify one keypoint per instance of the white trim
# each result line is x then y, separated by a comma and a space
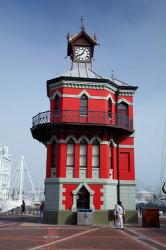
70, 137
132, 135
84, 92
95, 138
124, 100
74, 192
79, 180
83, 137
105, 143
110, 96
89, 181
91, 85
53, 138
56, 93
112, 142
126, 146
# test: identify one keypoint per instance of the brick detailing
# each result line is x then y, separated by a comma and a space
68, 196
97, 198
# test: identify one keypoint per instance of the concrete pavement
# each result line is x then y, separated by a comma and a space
25, 232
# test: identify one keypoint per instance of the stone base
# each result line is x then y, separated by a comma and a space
99, 217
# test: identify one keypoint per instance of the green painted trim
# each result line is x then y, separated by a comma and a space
99, 217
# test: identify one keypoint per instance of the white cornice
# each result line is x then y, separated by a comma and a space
91, 85
64, 141
89, 181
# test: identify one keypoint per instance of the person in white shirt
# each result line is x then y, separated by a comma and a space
119, 213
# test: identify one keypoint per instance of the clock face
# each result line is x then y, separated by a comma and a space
82, 54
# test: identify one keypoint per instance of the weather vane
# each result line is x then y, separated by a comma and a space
82, 23
112, 74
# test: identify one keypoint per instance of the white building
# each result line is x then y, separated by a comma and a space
144, 196
5, 173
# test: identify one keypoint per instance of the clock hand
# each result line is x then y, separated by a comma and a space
80, 53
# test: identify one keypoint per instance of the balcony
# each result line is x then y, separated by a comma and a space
97, 118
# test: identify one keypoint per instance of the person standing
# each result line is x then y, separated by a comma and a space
41, 211
23, 207
119, 213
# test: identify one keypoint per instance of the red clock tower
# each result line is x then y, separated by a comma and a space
89, 137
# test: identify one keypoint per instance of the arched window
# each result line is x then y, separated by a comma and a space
54, 148
83, 105
109, 108
57, 105
123, 119
96, 154
70, 153
83, 154
123, 109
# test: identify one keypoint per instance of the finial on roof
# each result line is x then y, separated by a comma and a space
82, 24
112, 74
68, 35
95, 38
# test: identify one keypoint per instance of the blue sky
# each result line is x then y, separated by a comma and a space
132, 40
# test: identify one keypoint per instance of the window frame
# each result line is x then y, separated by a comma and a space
84, 105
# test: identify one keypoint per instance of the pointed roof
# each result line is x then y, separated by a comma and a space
79, 39
72, 38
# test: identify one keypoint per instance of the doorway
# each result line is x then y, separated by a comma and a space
83, 199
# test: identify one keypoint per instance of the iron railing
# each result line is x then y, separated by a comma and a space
92, 117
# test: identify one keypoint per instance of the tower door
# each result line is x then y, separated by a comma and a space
83, 199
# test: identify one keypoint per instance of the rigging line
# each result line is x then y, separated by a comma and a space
163, 156
33, 189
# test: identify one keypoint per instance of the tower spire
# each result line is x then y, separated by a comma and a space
82, 23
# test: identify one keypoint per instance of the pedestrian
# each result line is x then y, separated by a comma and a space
115, 216
41, 211
120, 213
23, 207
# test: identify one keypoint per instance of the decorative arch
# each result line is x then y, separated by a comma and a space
71, 137
75, 192
83, 137
84, 92
110, 97
125, 101
123, 108
57, 93
95, 138
53, 138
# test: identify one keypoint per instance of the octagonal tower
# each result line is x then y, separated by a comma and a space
89, 136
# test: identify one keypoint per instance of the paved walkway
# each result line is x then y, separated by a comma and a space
20, 234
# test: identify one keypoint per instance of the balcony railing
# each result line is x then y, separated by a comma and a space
92, 117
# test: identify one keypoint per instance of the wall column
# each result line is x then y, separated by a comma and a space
76, 160
61, 160
104, 161
89, 161
48, 161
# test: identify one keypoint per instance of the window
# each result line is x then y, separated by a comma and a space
83, 153
54, 147
83, 105
70, 153
109, 107
123, 114
95, 154
57, 105
110, 155
123, 109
